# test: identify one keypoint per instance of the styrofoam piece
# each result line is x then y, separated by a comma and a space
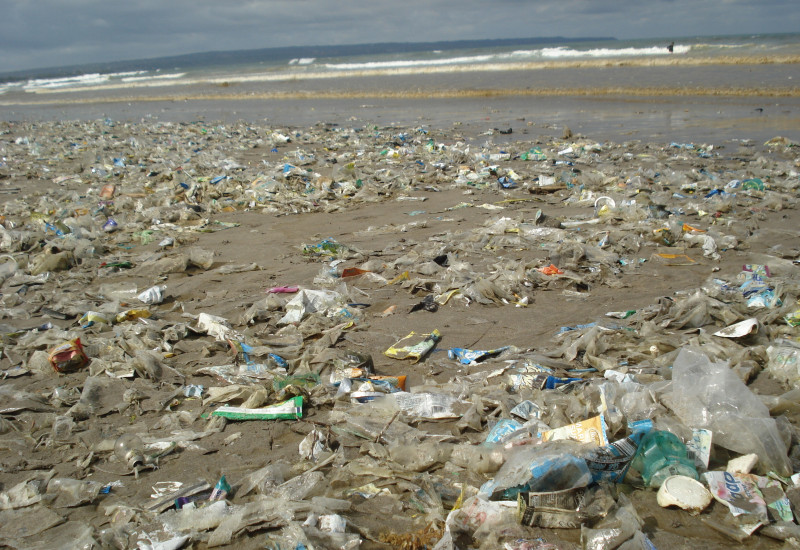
742, 464
683, 492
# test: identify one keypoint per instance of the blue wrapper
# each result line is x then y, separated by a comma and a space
503, 428
469, 356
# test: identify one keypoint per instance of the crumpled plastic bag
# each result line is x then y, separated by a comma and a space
710, 395
309, 301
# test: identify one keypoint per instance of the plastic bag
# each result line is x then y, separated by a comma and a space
784, 362
538, 469
710, 395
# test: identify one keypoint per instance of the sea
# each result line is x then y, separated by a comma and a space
283, 65
662, 89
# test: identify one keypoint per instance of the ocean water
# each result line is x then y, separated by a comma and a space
708, 53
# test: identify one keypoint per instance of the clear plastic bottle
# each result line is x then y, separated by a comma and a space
661, 454
129, 450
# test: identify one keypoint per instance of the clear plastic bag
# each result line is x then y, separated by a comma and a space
710, 395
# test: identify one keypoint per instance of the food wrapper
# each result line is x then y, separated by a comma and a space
742, 497
91, 318
68, 357
527, 410
107, 191
471, 357
365, 396
534, 153
326, 247
759, 270
591, 430
426, 405
778, 504
501, 430
353, 272
699, 448
552, 510
534, 380
307, 380
389, 384
351, 360
477, 512
289, 409
221, 490
384, 384
611, 462
443, 298
132, 314
793, 318
553, 382
341, 373
414, 346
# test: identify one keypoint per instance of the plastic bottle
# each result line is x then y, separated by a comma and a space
661, 454
128, 449
153, 295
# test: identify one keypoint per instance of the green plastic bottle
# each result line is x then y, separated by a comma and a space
660, 455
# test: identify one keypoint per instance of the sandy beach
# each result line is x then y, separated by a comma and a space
427, 196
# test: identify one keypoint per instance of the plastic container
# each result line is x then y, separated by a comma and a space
661, 455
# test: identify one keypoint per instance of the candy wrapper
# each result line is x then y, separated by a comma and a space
68, 357
414, 346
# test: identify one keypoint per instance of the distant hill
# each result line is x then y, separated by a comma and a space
240, 57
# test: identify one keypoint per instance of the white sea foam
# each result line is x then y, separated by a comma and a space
170, 76
67, 81
127, 73
562, 52
518, 55
404, 63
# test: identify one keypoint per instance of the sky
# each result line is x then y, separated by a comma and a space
54, 33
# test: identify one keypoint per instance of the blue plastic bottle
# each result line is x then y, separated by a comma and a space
661, 454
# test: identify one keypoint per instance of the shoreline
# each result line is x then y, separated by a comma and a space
712, 103
711, 118
220, 78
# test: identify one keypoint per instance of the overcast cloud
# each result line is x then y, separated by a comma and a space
50, 33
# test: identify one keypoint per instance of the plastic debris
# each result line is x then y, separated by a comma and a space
290, 409
626, 312
684, 492
414, 346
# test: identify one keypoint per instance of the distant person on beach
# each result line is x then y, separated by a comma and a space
671, 47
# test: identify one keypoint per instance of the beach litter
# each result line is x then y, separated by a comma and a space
628, 316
